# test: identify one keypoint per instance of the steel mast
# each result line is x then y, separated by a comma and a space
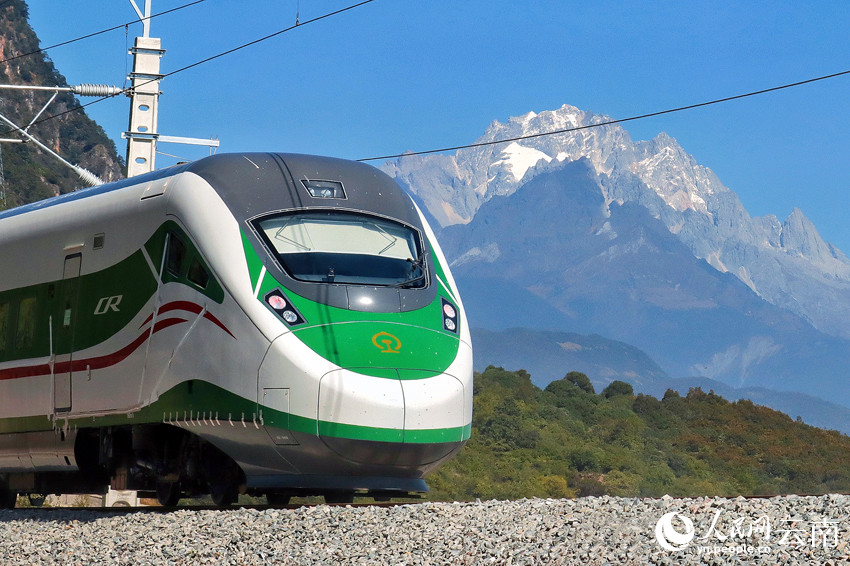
144, 97
143, 134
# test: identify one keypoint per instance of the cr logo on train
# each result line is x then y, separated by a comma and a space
106, 304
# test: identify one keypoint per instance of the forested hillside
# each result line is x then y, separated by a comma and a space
568, 440
30, 174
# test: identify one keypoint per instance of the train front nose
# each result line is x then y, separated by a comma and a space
390, 416
360, 402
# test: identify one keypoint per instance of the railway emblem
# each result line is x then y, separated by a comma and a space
386, 343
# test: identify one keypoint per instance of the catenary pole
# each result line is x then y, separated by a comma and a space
144, 97
143, 133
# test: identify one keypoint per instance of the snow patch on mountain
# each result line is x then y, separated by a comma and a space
451, 214
518, 159
737, 360
489, 254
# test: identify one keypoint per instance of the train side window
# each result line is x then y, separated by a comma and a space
4, 326
197, 274
174, 255
25, 331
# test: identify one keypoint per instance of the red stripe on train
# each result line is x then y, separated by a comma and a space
99, 362
190, 307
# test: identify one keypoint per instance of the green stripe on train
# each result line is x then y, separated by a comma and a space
199, 400
87, 310
80, 304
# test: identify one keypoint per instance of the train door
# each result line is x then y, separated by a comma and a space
63, 368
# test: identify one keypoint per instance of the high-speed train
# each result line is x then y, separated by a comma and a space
270, 324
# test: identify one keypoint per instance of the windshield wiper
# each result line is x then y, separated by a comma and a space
415, 264
409, 282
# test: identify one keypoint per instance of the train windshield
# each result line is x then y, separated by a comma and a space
333, 247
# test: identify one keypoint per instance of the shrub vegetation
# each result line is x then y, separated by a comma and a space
567, 441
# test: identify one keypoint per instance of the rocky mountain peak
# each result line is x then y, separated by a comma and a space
787, 263
674, 175
799, 238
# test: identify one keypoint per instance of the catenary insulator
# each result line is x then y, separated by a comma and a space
87, 176
96, 90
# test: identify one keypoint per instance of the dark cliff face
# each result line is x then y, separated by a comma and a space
30, 174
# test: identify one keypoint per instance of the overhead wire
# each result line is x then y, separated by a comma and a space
267, 37
93, 34
443, 149
610, 122
201, 62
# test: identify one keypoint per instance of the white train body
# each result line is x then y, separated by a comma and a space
245, 322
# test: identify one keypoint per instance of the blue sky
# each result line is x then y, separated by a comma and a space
398, 75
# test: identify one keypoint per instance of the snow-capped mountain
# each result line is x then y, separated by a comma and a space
786, 263
453, 187
600, 267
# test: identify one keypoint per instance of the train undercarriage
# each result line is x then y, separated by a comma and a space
158, 461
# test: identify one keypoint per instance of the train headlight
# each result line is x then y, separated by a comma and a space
449, 310
283, 308
450, 317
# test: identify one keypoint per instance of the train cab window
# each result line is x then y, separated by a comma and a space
4, 326
183, 263
334, 247
25, 330
197, 274
174, 255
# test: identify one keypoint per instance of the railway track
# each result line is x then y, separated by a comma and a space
152, 506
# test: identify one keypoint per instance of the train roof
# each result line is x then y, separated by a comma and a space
279, 182
282, 182
92, 191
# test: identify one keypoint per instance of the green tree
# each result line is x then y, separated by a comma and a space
618, 388
580, 380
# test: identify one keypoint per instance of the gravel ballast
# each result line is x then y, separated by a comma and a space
593, 530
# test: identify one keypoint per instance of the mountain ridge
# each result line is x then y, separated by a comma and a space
636, 241
618, 272
786, 263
